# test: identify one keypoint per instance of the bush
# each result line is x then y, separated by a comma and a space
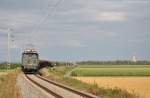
11, 66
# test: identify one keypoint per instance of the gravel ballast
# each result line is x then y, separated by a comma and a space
30, 90
64, 93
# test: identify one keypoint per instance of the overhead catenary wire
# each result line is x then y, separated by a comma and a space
49, 11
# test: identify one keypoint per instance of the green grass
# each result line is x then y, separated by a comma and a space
112, 70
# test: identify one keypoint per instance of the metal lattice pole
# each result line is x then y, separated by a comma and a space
8, 50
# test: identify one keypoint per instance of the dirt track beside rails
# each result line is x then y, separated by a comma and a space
138, 85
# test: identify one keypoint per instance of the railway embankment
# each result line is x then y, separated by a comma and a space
59, 74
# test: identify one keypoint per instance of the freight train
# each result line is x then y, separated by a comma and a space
30, 61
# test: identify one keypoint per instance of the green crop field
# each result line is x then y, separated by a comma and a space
112, 70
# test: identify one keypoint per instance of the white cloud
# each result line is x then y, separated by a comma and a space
137, 1
112, 16
73, 43
62, 43
16, 20
76, 24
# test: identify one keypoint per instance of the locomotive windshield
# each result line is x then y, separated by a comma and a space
30, 58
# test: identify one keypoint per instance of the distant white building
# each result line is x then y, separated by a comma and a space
134, 59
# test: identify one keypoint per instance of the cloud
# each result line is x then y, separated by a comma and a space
93, 27
66, 43
137, 1
16, 20
73, 43
112, 16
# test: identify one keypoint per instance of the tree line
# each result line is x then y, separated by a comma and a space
117, 62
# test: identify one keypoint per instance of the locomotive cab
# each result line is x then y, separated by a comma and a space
30, 61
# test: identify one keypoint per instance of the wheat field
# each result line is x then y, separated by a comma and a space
137, 85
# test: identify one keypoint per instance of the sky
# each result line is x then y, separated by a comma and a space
76, 30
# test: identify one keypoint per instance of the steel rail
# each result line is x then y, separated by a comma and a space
83, 94
44, 88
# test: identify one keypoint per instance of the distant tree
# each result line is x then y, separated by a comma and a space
116, 62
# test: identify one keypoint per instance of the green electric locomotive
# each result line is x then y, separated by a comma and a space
30, 61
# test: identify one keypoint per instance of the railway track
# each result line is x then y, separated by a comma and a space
56, 89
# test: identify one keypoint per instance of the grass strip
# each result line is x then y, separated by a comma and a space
57, 74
